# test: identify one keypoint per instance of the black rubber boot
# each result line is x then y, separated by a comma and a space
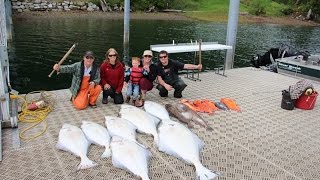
162, 91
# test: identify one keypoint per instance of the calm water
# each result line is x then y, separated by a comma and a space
40, 43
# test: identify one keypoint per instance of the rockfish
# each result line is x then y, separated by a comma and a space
186, 115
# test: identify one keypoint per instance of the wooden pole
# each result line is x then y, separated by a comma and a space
64, 57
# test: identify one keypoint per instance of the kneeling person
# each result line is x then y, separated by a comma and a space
85, 87
168, 77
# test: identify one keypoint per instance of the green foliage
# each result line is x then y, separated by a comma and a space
96, 2
258, 7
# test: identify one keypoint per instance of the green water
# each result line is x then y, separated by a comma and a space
39, 43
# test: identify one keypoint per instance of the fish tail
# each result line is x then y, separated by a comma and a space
155, 140
86, 163
145, 178
205, 174
106, 153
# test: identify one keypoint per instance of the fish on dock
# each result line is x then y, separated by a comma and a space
130, 156
120, 127
98, 135
178, 141
221, 106
183, 113
72, 139
156, 110
140, 119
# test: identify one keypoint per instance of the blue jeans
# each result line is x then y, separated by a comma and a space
133, 89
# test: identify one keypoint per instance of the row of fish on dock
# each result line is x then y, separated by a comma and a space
119, 138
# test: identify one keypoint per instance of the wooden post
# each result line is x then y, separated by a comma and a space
64, 57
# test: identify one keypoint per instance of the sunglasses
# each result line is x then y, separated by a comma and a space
162, 57
112, 55
89, 57
148, 56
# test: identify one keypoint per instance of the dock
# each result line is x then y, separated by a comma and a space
262, 141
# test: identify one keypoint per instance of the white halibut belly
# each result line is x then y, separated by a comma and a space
140, 119
179, 141
98, 135
156, 110
130, 156
73, 140
120, 127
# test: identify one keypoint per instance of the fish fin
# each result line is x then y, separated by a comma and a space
106, 153
205, 174
209, 128
190, 124
86, 163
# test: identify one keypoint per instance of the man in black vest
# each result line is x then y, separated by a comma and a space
168, 77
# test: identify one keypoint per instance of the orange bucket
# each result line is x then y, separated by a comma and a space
306, 102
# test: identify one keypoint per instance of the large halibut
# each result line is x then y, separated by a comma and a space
177, 140
130, 156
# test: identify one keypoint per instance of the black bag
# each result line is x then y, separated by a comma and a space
287, 103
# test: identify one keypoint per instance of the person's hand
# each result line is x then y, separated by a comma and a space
146, 68
106, 87
199, 67
168, 87
56, 67
91, 84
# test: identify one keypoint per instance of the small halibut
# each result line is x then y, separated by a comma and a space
157, 110
98, 135
130, 156
72, 139
140, 119
120, 127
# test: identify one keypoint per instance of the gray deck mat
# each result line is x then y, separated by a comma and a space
262, 142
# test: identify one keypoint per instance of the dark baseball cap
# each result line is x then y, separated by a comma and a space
89, 53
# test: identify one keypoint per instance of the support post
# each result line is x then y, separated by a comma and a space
232, 31
4, 64
9, 24
126, 32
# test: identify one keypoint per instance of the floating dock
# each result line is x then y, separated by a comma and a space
261, 142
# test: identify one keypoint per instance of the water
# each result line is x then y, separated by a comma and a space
40, 43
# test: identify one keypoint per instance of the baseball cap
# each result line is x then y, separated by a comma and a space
89, 53
147, 52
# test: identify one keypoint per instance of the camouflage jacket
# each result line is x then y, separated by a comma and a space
77, 70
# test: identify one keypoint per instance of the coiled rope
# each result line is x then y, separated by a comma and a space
35, 116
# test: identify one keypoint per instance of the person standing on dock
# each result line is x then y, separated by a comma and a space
85, 88
168, 77
112, 77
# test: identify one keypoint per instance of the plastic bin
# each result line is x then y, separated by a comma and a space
306, 102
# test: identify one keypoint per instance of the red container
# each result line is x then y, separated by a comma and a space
306, 102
